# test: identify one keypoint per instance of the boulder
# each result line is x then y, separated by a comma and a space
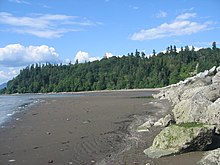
192, 109
212, 71
216, 78
211, 158
202, 74
167, 120
181, 138
145, 127
159, 122
196, 105
213, 113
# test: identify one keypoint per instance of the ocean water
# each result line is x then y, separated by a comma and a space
11, 104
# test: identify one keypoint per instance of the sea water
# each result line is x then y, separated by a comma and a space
11, 104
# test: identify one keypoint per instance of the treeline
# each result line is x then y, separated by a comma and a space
127, 72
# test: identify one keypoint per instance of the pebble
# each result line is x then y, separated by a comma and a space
11, 161
50, 161
92, 161
48, 133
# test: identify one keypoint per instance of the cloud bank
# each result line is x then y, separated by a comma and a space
182, 25
84, 57
44, 25
15, 55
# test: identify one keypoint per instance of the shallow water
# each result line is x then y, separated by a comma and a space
11, 104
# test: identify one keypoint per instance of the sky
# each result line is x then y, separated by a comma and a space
61, 31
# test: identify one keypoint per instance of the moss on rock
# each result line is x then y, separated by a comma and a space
181, 138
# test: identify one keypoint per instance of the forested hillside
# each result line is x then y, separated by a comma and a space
134, 70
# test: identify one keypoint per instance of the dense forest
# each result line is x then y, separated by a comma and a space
134, 70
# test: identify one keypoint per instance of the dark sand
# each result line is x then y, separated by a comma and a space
97, 128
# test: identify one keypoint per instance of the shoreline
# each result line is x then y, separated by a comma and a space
95, 91
90, 129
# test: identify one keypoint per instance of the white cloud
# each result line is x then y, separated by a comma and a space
161, 14
44, 25
135, 7
7, 74
19, 55
180, 26
20, 2
186, 16
108, 55
84, 57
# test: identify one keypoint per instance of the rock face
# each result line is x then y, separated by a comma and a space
196, 98
211, 158
181, 138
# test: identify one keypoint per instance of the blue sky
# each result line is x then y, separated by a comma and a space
65, 30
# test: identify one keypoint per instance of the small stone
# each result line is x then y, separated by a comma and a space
11, 161
36, 147
48, 133
50, 161
93, 161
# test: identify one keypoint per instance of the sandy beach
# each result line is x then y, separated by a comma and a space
95, 128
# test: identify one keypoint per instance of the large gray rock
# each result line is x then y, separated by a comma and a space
211, 158
180, 138
216, 78
199, 105
174, 92
213, 113
192, 109
196, 99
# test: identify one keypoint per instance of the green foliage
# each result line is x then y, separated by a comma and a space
127, 72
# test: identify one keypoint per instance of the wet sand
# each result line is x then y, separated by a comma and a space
96, 128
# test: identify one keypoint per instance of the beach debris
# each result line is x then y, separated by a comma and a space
67, 119
82, 137
86, 121
36, 147
93, 161
136, 162
48, 133
11, 160
50, 161
61, 149
70, 162
65, 142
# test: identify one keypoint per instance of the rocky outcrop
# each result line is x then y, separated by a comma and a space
194, 100
181, 138
211, 158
